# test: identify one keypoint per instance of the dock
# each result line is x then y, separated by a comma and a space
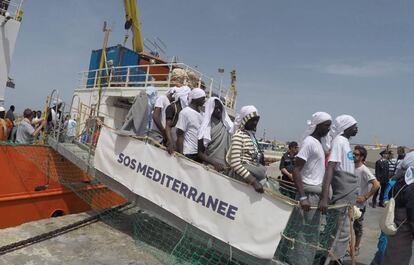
108, 242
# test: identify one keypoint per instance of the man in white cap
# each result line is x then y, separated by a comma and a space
308, 175
189, 121
340, 173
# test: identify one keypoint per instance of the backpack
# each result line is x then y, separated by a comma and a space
387, 223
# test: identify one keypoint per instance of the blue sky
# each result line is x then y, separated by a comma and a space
292, 57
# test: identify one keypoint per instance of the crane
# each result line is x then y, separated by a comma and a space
233, 92
132, 21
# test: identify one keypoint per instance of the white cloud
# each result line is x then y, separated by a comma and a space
364, 69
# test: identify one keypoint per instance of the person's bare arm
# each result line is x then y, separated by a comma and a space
323, 203
297, 178
157, 120
168, 134
375, 186
39, 129
287, 173
180, 141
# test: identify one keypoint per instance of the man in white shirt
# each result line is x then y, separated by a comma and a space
344, 186
365, 178
161, 104
189, 121
310, 161
70, 130
308, 175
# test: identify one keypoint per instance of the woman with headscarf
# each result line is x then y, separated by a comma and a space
214, 134
245, 157
399, 248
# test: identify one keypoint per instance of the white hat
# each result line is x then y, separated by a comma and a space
2, 109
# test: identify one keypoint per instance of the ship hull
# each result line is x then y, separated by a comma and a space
30, 187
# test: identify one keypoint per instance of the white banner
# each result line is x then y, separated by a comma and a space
226, 209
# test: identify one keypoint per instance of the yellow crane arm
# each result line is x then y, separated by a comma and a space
132, 17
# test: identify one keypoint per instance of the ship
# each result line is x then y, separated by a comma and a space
179, 210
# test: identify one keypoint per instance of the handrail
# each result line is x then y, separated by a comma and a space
133, 76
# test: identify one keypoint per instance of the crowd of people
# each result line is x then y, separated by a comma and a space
322, 170
319, 171
28, 129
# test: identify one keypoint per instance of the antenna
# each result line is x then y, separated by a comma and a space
158, 47
161, 42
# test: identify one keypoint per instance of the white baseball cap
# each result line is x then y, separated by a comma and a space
2, 109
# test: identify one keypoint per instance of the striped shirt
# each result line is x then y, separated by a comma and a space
392, 166
242, 151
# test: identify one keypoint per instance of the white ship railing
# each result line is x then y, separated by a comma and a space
13, 8
144, 75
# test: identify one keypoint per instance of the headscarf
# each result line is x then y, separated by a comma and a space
196, 93
172, 90
317, 118
244, 115
181, 94
205, 129
339, 125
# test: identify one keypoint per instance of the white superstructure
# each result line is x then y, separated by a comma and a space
10, 19
114, 90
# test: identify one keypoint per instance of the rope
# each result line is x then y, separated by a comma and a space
65, 229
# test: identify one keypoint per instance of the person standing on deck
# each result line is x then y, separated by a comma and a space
25, 131
286, 166
308, 176
189, 121
214, 134
161, 104
400, 154
70, 126
381, 173
11, 127
340, 174
392, 164
3, 126
366, 178
172, 113
245, 157
399, 247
